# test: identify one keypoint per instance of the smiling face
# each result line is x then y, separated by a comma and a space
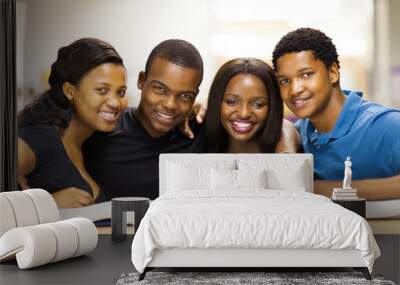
99, 97
244, 108
168, 94
306, 84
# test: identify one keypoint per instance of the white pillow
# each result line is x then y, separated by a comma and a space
223, 179
182, 178
293, 180
184, 175
236, 179
281, 175
251, 178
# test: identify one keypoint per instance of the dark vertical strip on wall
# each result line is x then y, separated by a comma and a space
8, 99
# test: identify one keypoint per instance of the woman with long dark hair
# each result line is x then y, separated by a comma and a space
245, 109
87, 93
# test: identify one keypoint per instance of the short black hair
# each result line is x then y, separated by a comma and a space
268, 137
307, 39
177, 51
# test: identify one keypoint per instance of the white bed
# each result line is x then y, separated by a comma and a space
219, 210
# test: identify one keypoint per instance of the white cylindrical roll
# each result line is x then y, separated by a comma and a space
67, 239
24, 210
7, 217
10, 244
40, 247
87, 235
34, 245
45, 205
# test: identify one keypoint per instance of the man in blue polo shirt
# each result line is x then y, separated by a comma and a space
335, 123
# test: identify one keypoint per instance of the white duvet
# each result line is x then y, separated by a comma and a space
253, 218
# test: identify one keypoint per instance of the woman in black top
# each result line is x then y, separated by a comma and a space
87, 93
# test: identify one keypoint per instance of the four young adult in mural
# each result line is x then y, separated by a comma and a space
244, 115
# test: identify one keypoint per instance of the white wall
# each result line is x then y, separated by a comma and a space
394, 16
385, 74
394, 22
134, 27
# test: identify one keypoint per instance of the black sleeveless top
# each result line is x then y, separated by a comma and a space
54, 170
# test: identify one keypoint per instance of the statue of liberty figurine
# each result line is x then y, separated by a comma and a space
347, 174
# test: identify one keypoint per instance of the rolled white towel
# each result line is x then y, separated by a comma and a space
87, 235
40, 244
46, 207
7, 217
66, 238
26, 208
23, 208
33, 246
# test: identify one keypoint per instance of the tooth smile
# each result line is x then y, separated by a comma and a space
108, 116
165, 116
242, 127
300, 101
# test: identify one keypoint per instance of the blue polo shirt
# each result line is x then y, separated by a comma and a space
367, 132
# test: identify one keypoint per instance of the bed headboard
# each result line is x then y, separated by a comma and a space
288, 165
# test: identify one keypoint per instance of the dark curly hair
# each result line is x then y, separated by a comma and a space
72, 64
179, 52
307, 39
268, 137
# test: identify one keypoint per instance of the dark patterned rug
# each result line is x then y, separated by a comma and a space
242, 278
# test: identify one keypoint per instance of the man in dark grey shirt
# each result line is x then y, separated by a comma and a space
125, 161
